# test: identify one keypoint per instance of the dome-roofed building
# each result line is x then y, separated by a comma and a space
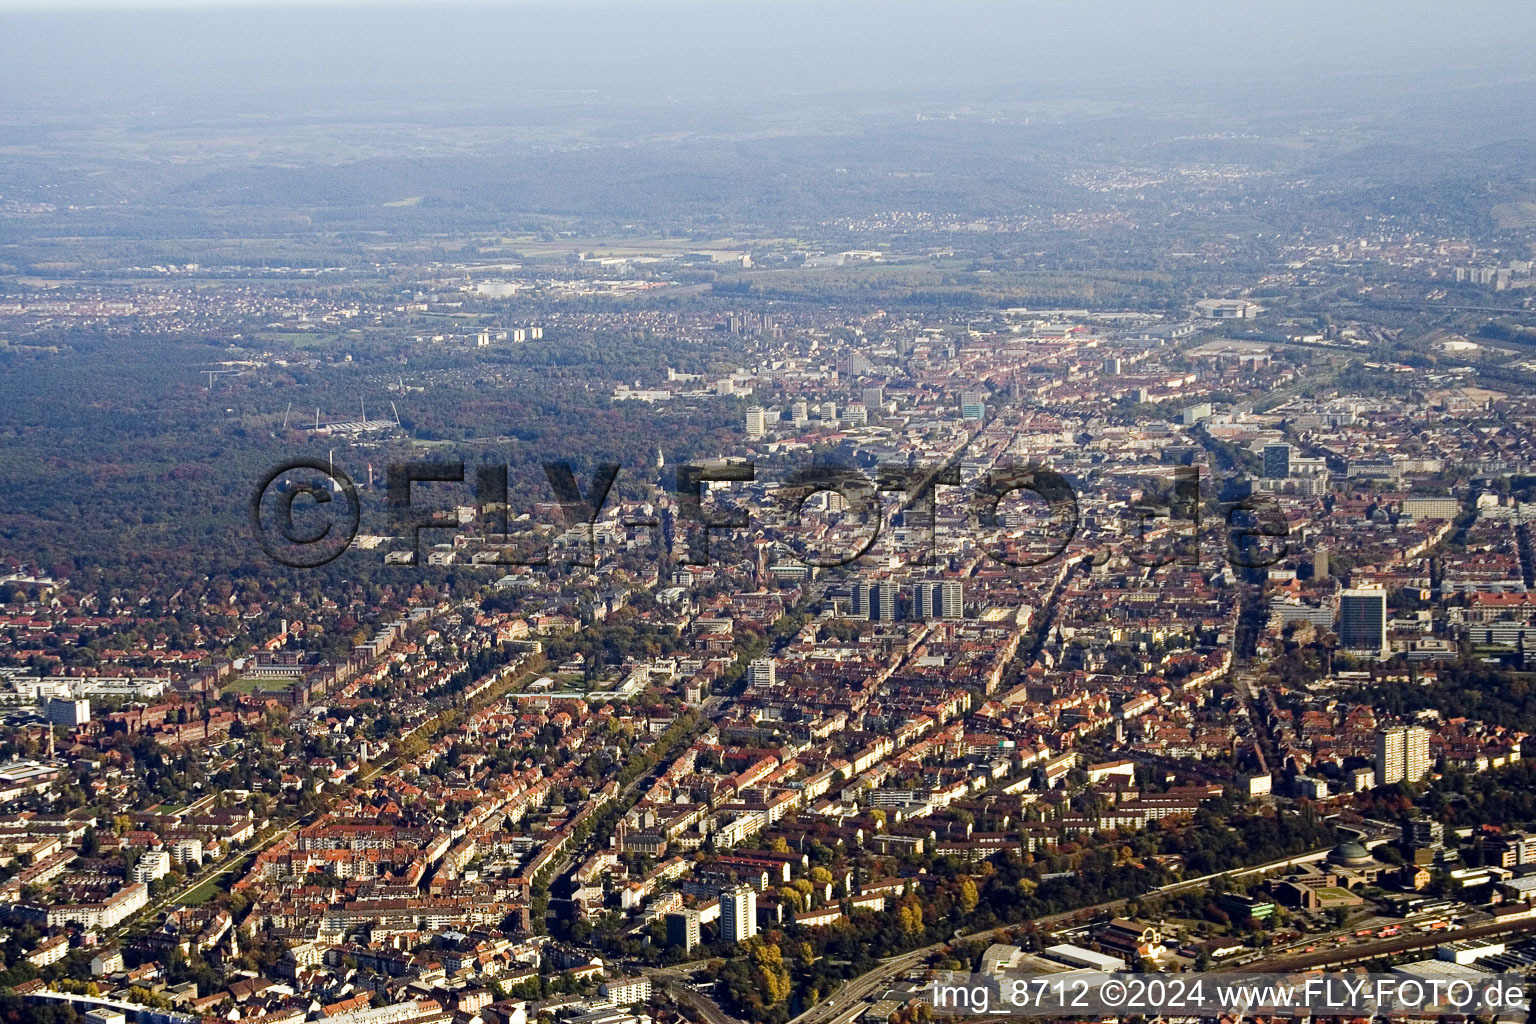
1350, 855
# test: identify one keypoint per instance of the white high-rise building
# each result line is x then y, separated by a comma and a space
738, 914
683, 929
757, 421
859, 605
925, 599
152, 865
760, 672
1402, 755
882, 601
951, 599
68, 711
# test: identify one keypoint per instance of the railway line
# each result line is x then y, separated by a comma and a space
1345, 955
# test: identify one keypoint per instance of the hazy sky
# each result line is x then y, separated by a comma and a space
120, 53
152, 5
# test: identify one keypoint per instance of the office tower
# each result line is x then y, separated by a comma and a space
951, 599
1402, 754
761, 672
859, 608
1277, 461
1112, 366
683, 929
882, 601
757, 421
1320, 562
857, 415
973, 405
874, 398
925, 600
1363, 621
738, 914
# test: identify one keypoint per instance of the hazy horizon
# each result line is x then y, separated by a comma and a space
300, 58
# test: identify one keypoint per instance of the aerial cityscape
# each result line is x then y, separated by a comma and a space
645, 513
